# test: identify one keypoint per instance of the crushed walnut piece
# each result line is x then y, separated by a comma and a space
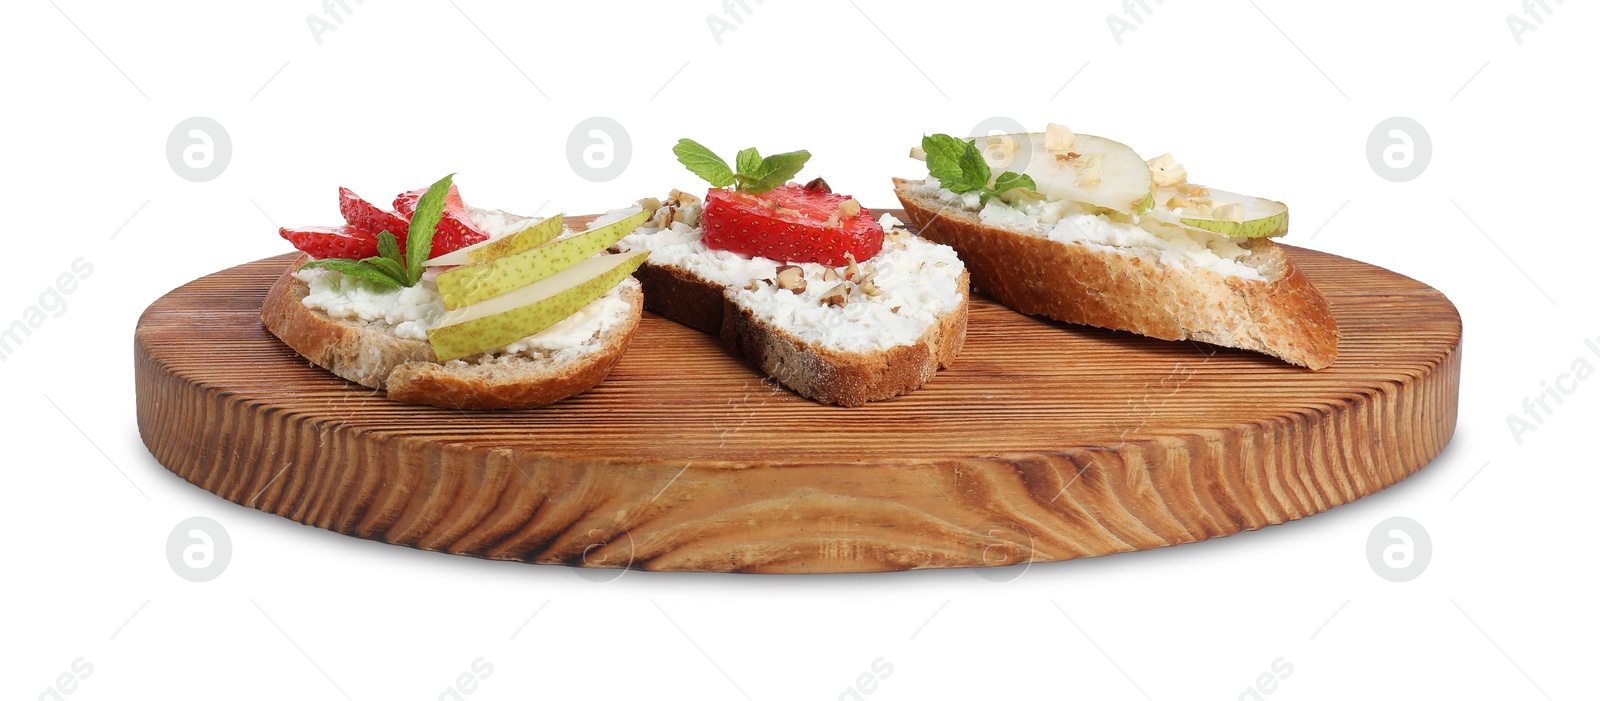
791, 278
838, 296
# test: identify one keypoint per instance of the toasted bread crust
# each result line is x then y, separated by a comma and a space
682, 296
846, 379
819, 374
408, 370
1284, 317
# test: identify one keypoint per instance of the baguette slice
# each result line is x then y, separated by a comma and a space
407, 369
809, 368
1283, 316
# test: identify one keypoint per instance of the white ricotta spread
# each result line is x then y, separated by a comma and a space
409, 312
918, 279
496, 223
1061, 221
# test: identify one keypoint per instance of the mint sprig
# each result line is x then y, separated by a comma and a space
960, 168
390, 269
750, 172
419, 236
357, 269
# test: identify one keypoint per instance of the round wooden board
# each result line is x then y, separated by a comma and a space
1044, 442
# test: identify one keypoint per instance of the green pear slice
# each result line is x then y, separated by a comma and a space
501, 246
474, 283
1220, 211
525, 311
1092, 170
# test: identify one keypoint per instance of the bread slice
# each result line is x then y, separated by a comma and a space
1127, 289
371, 354
740, 313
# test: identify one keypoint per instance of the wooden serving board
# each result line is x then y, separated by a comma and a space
1044, 442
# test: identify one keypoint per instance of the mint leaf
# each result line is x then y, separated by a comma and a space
749, 162
944, 156
357, 270
389, 248
388, 267
1008, 181
754, 175
777, 169
960, 167
419, 239
974, 170
702, 162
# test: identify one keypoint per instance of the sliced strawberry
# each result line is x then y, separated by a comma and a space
789, 224
367, 217
406, 202
455, 229
332, 241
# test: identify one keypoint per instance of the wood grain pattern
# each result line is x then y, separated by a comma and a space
1043, 442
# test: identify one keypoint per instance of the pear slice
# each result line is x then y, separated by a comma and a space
1220, 211
1082, 168
525, 311
474, 283
502, 246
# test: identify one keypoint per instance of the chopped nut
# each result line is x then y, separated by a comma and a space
847, 209
791, 278
780, 209
830, 275
871, 288
1165, 172
918, 153
683, 198
818, 184
837, 296
851, 271
894, 310
1232, 211
650, 204
664, 217
868, 275
753, 285
938, 264
1058, 138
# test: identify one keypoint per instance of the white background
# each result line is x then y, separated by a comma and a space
1269, 97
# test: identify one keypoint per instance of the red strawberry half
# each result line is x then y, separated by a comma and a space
406, 202
455, 228
332, 241
789, 224
367, 217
